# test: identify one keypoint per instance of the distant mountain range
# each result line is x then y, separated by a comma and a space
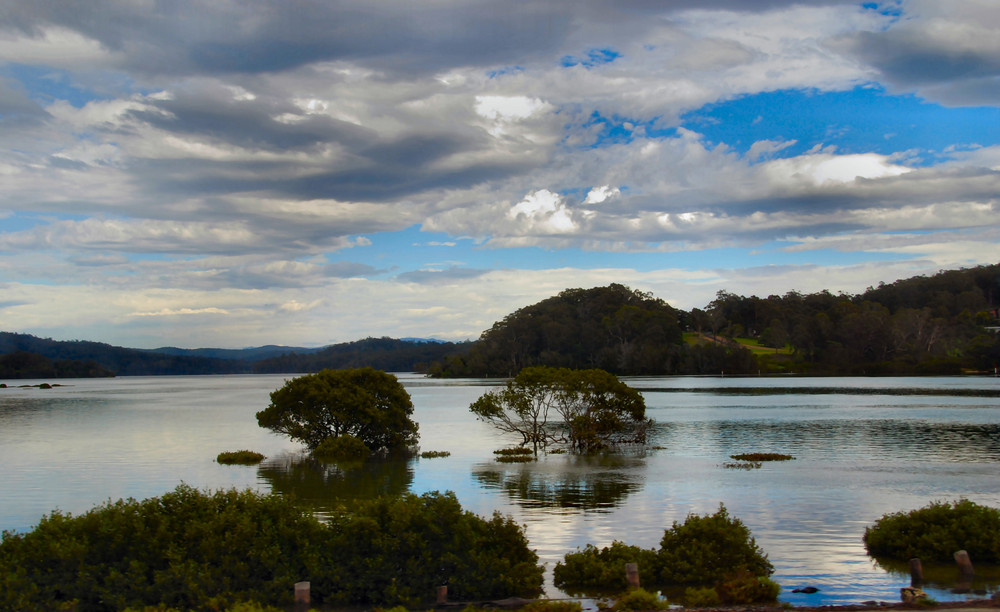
27, 356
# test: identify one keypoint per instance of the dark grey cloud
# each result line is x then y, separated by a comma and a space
349, 269
446, 276
948, 54
187, 37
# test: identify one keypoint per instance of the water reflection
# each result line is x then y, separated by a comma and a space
327, 485
946, 577
868, 439
597, 483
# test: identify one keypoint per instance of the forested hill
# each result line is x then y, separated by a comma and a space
27, 356
942, 324
613, 328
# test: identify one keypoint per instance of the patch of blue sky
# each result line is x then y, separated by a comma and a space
860, 120
19, 221
622, 130
499, 72
592, 58
894, 8
411, 249
45, 85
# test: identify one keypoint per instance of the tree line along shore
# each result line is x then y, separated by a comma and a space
942, 324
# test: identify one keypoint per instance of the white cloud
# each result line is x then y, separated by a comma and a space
544, 212
600, 194
826, 168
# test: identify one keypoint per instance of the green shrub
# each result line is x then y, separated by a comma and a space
240, 457
189, 550
935, 532
745, 588
345, 448
701, 550
603, 568
434, 454
545, 605
705, 549
701, 597
185, 550
396, 550
639, 599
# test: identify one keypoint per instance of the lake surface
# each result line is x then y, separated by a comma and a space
863, 446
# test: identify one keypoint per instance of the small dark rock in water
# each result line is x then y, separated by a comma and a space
806, 590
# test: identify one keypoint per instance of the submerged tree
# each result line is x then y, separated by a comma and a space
364, 403
585, 409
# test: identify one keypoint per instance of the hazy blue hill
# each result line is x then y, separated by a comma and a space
122, 361
40, 356
256, 353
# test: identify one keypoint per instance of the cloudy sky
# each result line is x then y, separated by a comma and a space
236, 173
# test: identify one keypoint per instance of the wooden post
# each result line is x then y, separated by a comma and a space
442, 594
916, 572
632, 575
964, 563
301, 595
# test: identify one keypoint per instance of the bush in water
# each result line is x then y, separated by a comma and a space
935, 532
396, 550
702, 550
193, 550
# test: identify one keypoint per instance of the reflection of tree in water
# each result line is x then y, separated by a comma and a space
587, 482
326, 485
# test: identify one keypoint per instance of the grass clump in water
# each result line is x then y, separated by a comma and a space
517, 454
434, 454
758, 457
746, 465
240, 457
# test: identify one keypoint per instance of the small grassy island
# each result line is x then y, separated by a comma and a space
240, 457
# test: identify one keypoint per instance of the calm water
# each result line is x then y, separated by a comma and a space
862, 449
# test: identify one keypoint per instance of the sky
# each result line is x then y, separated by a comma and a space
214, 173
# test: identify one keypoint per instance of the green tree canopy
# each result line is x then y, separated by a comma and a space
365, 403
585, 409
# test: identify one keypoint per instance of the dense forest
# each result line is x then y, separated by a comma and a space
941, 324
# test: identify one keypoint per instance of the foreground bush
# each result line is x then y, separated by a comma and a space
744, 588
185, 550
639, 599
935, 532
207, 551
703, 550
706, 549
396, 550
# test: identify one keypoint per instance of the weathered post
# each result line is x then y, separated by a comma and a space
916, 572
632, 575
301, 595
964, 563
442, 594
